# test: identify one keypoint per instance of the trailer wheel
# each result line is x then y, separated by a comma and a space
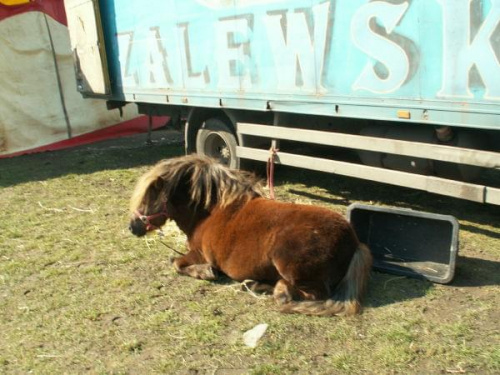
216, 139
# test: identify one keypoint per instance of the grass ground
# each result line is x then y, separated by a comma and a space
79, 294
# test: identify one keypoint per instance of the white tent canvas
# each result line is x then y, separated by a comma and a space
40, 104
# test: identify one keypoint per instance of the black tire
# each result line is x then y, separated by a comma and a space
216, 139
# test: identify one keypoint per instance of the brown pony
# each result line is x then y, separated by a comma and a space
309, 256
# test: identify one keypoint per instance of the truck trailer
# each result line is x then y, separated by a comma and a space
396, 91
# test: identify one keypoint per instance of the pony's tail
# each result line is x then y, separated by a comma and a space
346, 299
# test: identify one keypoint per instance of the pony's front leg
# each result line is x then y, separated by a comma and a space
192, 264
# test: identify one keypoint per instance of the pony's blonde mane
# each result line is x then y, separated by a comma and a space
140, 195
209, 182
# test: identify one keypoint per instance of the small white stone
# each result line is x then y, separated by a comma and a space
252, 337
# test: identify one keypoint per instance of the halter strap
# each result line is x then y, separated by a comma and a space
146, 219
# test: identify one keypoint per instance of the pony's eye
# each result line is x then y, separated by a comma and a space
144, 219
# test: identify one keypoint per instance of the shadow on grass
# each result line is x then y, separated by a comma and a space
482, 231
475, 272
121, 153
385, 289
348, 190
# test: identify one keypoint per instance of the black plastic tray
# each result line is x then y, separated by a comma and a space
407, 242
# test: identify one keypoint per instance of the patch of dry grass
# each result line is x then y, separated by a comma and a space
80, 294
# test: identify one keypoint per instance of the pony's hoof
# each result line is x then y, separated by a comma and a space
282, 299
208, 274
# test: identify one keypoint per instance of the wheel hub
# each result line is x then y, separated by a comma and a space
225, 152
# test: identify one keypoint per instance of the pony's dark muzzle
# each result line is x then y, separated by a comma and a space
137, 228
